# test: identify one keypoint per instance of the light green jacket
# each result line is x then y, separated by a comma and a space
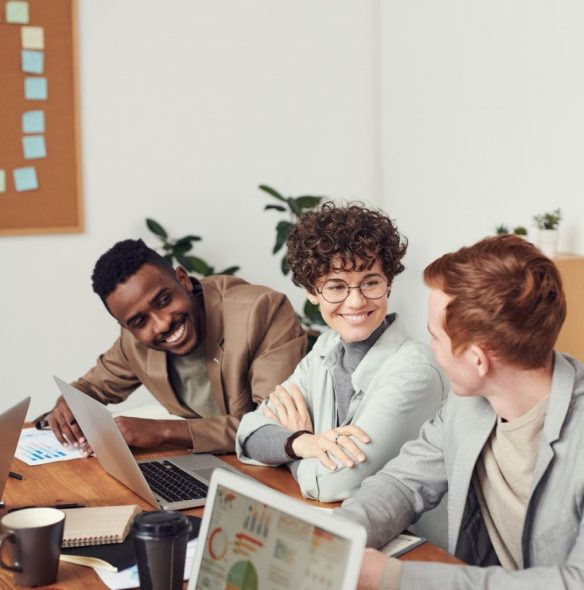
397, 387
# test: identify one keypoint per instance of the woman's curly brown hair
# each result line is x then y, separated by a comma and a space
348, 238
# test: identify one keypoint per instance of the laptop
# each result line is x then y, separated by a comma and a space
11, 422
254, 537
170, 483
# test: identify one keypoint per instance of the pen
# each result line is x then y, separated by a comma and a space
59, 506
15, 475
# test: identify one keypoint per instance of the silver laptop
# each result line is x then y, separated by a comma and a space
255, 537
171, 483
11, 422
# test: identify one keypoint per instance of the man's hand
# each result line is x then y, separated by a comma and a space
332, 443
65, 427
372, 567
291, 411
143, 432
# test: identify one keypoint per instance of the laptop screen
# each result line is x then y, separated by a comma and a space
251, 545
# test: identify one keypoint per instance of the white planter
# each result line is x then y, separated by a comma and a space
548, 242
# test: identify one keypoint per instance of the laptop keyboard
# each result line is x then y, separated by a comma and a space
171, 483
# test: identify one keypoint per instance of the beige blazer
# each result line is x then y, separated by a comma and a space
253, 342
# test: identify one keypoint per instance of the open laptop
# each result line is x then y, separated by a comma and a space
171, 483
11, 422
254, 537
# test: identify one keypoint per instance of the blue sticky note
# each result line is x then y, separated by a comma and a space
25, 179
34, 147
35, 88
33, 62
33, 122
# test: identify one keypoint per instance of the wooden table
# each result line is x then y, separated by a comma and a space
84, 481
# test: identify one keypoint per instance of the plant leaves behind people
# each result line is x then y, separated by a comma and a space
181, 247
284, 265
156, 228
194, 264
231, 270
188, 240
272, 191
312, 313
276, 207
308, 202
282, 232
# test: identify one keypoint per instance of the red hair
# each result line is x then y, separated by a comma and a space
505, 296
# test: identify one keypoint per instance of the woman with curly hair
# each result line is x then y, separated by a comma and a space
366, 387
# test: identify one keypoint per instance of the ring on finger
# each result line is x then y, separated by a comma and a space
337, 436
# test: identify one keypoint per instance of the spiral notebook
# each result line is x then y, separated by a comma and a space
99, 525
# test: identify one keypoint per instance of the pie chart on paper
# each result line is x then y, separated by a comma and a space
242, 576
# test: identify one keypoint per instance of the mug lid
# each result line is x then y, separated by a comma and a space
161, 523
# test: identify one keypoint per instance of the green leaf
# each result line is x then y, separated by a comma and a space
312, 312
156, 228
169, 257
210, 271
276, 207
284, 266
308, 202
181, 248
189, 239
282, 231
194, 264
294, 207
231, 270
272, 191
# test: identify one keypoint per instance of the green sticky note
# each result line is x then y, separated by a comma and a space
33, 122
17, 12
35, 88
34, 147
2, 181
25, 179
33, 62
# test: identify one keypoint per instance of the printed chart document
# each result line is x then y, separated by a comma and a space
37, 447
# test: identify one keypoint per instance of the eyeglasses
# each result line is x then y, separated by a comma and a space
337, 290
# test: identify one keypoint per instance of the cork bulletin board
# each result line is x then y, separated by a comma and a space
40, 184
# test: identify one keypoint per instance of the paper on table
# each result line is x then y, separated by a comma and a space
401, 544
128, 578
36, 447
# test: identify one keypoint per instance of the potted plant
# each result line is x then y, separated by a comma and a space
178, 252
502, 229
547, 224
520, 231
294, 207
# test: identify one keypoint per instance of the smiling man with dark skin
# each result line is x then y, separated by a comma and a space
208, 350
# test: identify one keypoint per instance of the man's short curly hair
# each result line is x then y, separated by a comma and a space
343, 237
120, 262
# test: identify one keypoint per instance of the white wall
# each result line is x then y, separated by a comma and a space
482, 123
186, 106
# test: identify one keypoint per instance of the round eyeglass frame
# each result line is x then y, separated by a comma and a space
320, 291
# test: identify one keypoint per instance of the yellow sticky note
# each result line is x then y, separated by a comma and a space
32, 37
2, 181
17, 12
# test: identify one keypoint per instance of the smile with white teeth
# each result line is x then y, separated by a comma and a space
355, 318
177, 334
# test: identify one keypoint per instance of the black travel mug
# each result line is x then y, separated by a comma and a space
160, 543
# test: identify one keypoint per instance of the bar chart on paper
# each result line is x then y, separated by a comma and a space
36, 447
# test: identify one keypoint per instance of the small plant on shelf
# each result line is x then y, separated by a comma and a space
178, 252
520, 230
549, 220
501, 229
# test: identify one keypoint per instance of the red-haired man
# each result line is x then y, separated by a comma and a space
507, 447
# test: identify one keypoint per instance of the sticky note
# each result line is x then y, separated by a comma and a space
17, 13
34, 147
33, 62
32, 37
25, 179
33, 122
2, 181
35, 88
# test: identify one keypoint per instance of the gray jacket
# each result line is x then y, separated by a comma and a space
443, 459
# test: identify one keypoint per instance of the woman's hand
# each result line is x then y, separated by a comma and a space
336, 443
290, 409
